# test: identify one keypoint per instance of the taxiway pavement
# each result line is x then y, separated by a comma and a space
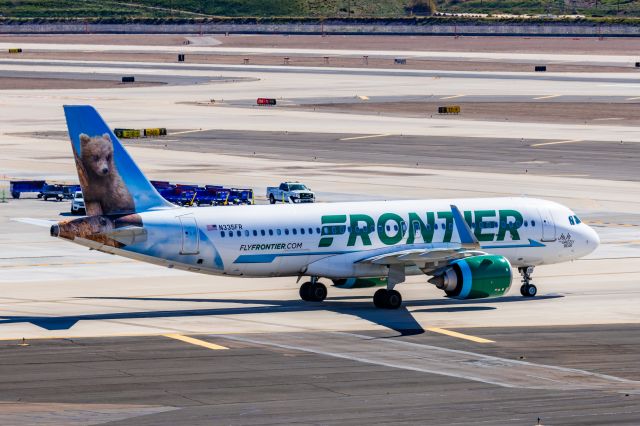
116, 340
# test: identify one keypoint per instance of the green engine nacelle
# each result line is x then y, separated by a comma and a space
360, 282
476, 277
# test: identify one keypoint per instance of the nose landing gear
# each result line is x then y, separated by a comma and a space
528, 289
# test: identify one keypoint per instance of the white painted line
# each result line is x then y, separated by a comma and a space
633, 99
557, 142
366, 137
548, 97
608, 119
452, 97
184, 132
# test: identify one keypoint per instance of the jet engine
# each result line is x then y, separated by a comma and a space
475, 277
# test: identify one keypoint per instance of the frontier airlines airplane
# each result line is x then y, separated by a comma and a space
467, 247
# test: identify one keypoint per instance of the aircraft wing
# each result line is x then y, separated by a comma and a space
431, 259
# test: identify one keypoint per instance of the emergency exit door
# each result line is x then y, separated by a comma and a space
190, 240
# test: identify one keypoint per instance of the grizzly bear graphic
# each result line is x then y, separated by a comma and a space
103, 189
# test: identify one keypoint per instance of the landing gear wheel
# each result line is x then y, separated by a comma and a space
387, 299
313, 292
380, 298
305, 291
394, 299
318, 292
529, 290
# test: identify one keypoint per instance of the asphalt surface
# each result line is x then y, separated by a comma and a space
629, 78
604, 160
157, 380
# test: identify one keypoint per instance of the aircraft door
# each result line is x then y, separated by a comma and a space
548, 226
190, 238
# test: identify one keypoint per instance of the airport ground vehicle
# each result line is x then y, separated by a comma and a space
55, 192
467, 247
208, 195
77, 204
290, 192
17, 187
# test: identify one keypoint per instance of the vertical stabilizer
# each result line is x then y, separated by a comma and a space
111, 181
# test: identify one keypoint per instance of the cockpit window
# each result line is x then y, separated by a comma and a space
578, 221
571, 220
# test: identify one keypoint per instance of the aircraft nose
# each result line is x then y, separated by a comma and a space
592, 239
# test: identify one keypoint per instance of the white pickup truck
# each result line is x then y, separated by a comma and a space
290, 192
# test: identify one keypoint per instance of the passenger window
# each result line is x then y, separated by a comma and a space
435, 226
578, 221
222, 234
526, 223
270, 231
239, 234
246, 232
230, 234
301, 231
295, 231
533, 223
255, 233
286, 231
262, 232
278, 231
318, 230
571, 220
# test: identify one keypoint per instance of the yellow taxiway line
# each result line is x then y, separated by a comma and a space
459, 335
366, 137
557, 142
197, 342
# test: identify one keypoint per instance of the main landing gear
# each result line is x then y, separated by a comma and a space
387, 299
527, 289
313, 291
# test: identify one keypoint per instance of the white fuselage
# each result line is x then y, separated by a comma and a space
327, 239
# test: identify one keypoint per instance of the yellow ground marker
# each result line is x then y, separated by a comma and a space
459, 335
366, 137
558, 142
547, 97
197, 342
452, 97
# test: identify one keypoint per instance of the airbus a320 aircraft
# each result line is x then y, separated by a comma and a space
467, 247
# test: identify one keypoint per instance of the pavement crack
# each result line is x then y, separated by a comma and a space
329, 389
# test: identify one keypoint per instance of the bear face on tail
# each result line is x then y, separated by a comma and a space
105, 191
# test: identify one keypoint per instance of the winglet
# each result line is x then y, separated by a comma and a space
467, 237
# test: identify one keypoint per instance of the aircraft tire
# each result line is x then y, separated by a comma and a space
394, 299
305, 291
317, 292
380, 298
529, 290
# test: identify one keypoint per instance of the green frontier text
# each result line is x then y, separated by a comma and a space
392, 228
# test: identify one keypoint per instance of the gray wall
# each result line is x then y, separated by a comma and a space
548, 29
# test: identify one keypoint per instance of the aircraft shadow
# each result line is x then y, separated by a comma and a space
399, 320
